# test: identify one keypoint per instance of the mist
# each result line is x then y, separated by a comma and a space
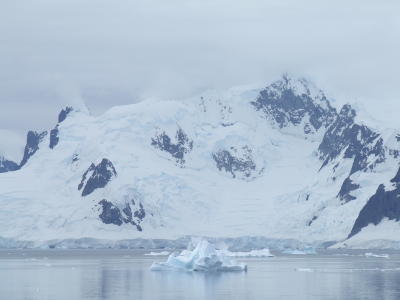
106, 53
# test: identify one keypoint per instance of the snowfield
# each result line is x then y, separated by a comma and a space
234, 164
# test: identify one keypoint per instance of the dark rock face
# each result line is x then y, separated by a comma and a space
64, 113
111, 214
396, 178
347, 187
7, 165
177, 149
54, 139
232, 163
338, 136
285, 106
384, 204
136, 218
395, 153
97, 177
140, 213
32, 145
357, 141
314, 218
75, 158
85, 175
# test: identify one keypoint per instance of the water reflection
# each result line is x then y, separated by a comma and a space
101, 275
176, 285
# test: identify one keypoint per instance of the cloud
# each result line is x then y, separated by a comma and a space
117, 52
13, 148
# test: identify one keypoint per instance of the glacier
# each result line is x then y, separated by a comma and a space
277, 167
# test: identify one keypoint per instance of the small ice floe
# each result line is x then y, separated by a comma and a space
376, 255
162, 253
305, 270
253, 253
204, 257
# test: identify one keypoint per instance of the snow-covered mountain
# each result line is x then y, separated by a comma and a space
280, 162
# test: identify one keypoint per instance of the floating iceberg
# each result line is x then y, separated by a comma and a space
253, 253
162, 253
377, 255
204, 257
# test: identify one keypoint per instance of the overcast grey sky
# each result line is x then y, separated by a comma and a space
55, 52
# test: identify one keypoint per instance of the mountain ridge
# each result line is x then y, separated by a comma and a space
210, 165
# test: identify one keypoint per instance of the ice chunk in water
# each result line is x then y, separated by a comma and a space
377, 255
162, 253
304, 270
204, 257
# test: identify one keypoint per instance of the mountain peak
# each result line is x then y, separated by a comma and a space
33, 139
298, 86
290, 101
64, 113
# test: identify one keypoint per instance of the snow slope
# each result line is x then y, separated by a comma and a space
278, 162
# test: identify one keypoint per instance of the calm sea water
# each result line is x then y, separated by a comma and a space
125, 274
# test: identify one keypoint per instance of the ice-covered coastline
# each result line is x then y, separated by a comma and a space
252, 253
238, 244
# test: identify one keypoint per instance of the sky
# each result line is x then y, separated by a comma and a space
106, 53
